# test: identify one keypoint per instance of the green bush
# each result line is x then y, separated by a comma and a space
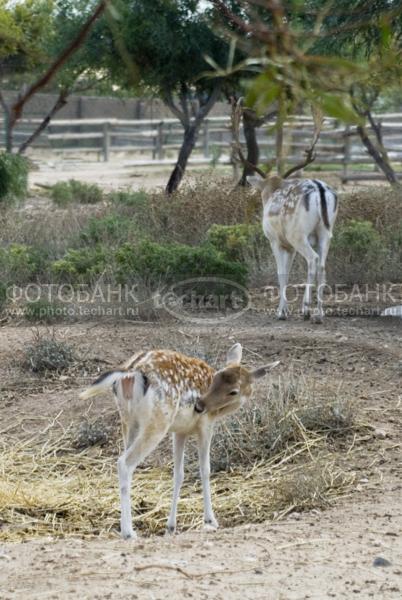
358, 253
109, 229
73, 191
42, 311
13, 177
47, 354
137, 200
175, 262
237, 242
20, 264
138, 207
81, 265
357, 238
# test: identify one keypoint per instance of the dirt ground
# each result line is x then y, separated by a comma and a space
311, 555
352, 549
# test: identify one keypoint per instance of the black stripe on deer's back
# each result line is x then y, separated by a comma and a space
306, 200
324, 208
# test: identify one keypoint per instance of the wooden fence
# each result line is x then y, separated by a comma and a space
156, 142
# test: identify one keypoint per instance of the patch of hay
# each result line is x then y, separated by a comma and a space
46, 488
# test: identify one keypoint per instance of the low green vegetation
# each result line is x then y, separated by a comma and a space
42, 311
21, 264
145, 239
13, 177
73, 191
169, 263
81, 265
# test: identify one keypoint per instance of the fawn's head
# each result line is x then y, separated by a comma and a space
233, 384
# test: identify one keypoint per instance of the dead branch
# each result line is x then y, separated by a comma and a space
310, 152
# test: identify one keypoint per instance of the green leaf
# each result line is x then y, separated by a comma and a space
339, 108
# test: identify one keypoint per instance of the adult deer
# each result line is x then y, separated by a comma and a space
298, 216
163, 391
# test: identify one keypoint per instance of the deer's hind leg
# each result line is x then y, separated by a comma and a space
324, 240
284, 259
311, 257
146, 439
144, 425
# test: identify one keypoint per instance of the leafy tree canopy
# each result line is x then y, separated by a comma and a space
24, 28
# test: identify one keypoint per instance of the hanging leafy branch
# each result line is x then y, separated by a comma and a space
292, 48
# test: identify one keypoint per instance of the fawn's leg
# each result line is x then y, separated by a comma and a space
146, 439
204, 444
179, 440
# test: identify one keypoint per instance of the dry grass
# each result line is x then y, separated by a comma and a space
380, 205
290, 412
277, 463
47, 489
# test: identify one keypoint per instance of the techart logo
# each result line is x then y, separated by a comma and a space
210, 300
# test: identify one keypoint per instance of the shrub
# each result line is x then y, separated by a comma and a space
175, 262
13, 177
19, 263
91, 434
237, 242
292, 411
47, 354
358, 252
358, 238
109, 229
67, 192
42, 311
81, 265
137, 200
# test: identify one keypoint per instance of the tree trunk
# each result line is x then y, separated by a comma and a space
379, 158
191, 127
250, 123
189, 141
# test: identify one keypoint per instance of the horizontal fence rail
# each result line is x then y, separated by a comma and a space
156, 142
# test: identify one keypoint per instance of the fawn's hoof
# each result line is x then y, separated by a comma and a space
129, 535
170, 530
211, 525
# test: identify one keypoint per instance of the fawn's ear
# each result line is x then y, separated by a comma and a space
262, 371
234, 355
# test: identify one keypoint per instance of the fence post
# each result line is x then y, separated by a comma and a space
206, 138
106, 141
346, 154
159, 141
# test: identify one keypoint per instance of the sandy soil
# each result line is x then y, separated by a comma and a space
117, 173
314, 555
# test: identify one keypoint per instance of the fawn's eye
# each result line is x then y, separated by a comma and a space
233, 392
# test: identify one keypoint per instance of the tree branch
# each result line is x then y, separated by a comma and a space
168, 100
60, 102
205, 108
18, 107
